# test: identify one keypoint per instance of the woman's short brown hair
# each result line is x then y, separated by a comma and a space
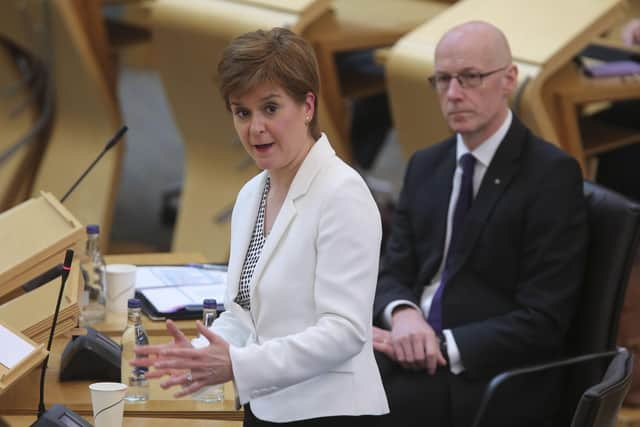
277, 56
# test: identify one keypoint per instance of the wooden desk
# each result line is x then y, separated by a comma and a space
153, 327
22, 399
27, 420
581, 137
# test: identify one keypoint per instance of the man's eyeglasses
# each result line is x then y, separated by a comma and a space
466, 79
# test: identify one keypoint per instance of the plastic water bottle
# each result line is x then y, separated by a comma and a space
133, 335
92, 267
213, 393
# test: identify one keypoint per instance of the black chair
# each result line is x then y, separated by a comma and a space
614, 233
599, 404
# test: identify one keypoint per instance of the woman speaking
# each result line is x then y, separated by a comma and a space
296, 335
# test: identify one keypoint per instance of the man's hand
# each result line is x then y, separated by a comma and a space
414, 342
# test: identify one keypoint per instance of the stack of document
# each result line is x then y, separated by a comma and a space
32, 313
170, 289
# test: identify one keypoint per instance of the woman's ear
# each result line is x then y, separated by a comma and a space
310, 105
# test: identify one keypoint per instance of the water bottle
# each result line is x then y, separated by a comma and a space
92, 267
133, 335
213, 393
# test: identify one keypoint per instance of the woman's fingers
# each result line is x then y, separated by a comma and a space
146, 350
180, 364
159, 373
176, 333
207, 333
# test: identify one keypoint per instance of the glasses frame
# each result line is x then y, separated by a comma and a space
461, 82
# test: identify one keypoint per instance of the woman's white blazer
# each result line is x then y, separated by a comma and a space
305, 348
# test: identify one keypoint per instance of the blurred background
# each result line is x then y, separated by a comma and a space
72, 72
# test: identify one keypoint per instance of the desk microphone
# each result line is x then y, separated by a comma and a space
58, 415
45, 277
113, 141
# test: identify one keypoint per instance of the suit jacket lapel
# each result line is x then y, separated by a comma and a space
437, 194
243, 224
501, 171
320, 153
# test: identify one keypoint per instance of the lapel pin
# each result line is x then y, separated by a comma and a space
496, 181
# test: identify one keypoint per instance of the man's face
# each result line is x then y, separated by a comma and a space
474, 112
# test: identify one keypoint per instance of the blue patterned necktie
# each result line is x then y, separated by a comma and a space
465, 197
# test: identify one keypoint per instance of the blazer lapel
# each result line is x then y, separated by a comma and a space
501, 171
317, 157
244, 221
437, 196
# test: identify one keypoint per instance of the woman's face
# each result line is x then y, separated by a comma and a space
272, 126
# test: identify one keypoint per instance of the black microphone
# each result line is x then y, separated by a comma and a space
58, 415
113, 141
40, 280
68, 258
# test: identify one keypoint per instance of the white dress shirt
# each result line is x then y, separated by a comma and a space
483, 154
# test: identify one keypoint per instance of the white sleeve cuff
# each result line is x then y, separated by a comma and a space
455, 362
386, 314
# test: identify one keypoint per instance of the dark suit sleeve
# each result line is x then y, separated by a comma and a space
398, 270
550, 273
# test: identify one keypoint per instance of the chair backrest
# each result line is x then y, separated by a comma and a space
614, 232
599, 404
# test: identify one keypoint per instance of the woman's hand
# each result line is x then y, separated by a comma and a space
148, 355
186, 366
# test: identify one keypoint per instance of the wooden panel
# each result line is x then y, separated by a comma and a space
21, 165
35, 235
86, 114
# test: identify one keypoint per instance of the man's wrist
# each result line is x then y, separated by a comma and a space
404, 311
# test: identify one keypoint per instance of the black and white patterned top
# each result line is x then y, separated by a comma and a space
253, 253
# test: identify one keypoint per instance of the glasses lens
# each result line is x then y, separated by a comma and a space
442, 81
470, 79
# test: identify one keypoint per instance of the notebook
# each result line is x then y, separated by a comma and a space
177, 291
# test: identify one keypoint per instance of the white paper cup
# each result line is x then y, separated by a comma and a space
107, 400
121, 285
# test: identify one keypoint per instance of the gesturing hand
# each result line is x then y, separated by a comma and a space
414, 342
189, 367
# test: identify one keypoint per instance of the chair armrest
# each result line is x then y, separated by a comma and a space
502, 377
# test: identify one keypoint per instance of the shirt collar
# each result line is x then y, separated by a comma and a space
485, 151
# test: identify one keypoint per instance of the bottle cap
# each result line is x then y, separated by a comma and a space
93, 229
209, 303
134, 303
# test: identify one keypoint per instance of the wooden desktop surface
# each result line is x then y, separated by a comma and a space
27, 420
22, 398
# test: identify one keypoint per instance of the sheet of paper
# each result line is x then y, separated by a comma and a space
199, 293
14, 348
163, 276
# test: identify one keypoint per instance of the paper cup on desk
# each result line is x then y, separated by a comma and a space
121, 285
107, 400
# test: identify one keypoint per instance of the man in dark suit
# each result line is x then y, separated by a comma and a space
486, 256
